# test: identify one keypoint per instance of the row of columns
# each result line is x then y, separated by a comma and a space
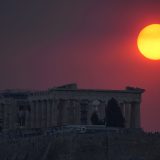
131, 113
51, 112
2, 115
7, 116
48, 113
42, 114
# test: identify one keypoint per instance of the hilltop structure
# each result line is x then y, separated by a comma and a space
65, 105
57, 124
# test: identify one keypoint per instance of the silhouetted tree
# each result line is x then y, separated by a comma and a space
114, 117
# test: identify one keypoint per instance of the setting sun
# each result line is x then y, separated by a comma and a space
149, 41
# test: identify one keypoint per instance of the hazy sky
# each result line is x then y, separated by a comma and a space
91, 42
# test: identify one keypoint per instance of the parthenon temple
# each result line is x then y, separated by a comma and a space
65, 105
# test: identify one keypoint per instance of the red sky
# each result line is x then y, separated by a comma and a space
90, 42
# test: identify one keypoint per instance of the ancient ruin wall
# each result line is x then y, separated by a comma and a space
93, 146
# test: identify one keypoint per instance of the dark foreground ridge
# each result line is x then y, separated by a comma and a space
80, 143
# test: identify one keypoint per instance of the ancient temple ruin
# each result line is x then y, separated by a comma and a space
65, 105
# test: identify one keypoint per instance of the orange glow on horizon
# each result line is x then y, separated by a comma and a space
149, 41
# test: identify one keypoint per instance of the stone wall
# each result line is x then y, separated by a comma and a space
86, 146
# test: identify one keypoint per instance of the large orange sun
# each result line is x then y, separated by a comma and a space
148, 41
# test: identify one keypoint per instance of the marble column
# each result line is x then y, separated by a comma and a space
11, 116
35, 118
135, 115
60, 107
28, 116
5, 116
2, 115
127, 115
49, 112
72, 112
66, 106
54, 112
35, 114
67, 112
77, 112
122, 107
84, 112
39, 112
32, 114
91, 107
44, 114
